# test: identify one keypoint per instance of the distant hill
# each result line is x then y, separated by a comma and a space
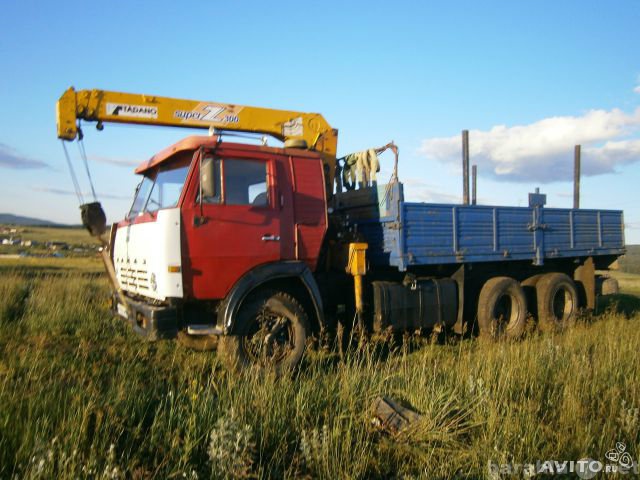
630, 263
10, 219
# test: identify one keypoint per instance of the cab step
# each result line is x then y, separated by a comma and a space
203, 330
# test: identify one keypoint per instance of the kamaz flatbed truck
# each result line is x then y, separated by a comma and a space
261, 247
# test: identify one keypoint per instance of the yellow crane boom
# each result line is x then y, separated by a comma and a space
104, 106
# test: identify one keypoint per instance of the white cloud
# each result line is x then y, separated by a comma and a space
419, 191
605, 158
543, 151
637, 89
119, 162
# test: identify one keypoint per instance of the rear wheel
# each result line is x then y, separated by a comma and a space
272, 333
502, 309
557, 301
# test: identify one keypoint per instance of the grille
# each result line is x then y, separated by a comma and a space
134, 278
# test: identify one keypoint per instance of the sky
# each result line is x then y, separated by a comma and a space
529, 80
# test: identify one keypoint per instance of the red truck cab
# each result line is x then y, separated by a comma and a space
258, 209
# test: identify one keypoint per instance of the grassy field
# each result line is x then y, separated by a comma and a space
629, 282
51, 265
79, 243
73, 235
630, 263
82, 397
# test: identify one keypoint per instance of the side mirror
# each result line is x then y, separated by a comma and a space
207, 178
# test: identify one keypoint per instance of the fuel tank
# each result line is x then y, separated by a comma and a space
420, 304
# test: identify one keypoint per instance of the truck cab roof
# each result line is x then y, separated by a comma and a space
194, 142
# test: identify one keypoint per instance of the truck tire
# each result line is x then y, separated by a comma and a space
557, 302
502, 309
272, 333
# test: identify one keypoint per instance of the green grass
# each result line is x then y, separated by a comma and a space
30, 265
629, 282
82, 397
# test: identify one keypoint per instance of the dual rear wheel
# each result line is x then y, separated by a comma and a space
557, 301
502, 309
503, 312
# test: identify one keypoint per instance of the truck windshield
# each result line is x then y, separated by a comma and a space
166, 190
140, 199
163, 191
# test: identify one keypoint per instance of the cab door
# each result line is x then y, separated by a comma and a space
237, 227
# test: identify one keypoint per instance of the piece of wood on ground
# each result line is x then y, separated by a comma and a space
392, 417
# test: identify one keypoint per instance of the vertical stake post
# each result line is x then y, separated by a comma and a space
465, 167
474, 181
576, 176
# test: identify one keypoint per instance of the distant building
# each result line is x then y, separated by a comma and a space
11, 241
57, 245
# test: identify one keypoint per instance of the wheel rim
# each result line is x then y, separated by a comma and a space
270, 338
561, 304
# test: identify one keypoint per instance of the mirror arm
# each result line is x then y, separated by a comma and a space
200, 220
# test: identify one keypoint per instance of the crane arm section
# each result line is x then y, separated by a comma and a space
104, 106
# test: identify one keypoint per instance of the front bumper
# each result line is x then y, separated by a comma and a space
149, 321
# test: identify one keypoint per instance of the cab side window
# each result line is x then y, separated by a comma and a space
245, 183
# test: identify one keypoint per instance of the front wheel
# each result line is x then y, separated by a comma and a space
272, 333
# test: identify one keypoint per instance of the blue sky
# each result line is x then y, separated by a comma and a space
528, 79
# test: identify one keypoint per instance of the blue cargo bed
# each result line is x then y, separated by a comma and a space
405, 234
